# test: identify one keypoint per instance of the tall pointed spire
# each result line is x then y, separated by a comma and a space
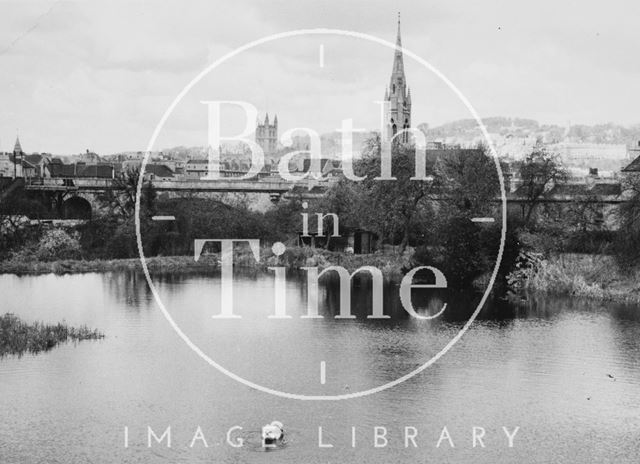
17, 148
397, 95
398, 63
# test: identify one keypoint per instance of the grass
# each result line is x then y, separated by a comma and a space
18, 337
294, 258
589, 276
77, 266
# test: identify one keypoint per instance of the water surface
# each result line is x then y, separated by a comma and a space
565, 371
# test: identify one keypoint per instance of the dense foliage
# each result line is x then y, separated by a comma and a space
627, 244
429, 217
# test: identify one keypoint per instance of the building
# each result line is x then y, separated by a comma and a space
267, 135
89, 157
58, 169
634, 154
357, 241
582, 156
6, 166
176, 166
588, 203
158, 172
20, 166
397, 97
197, 168
39, 163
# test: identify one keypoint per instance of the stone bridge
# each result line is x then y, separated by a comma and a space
77, 197
88, 184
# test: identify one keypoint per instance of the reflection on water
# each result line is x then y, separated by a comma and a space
564, 370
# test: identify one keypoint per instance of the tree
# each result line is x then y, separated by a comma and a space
342, 200
122, 199
15, 211
627, 244
393, 207
540, 171
462, 183
469, 180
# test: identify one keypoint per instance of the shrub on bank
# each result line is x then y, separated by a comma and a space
581, 275
52, 245
553, 277
57, 244
18, 337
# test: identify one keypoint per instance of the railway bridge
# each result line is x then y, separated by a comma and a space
77, 196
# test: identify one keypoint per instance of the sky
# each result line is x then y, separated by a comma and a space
96, 75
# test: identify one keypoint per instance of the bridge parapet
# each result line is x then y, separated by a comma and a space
68, 183
264, 185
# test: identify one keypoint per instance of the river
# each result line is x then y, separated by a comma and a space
564, 372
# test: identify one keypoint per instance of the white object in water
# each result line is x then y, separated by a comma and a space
272, 434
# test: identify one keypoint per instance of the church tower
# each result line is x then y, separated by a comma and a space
267, 135
17, 152
398, 97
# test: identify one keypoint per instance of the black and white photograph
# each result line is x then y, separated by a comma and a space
319, 232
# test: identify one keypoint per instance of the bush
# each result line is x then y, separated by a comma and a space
591, 242
462, 256
96, 235
490, 240
56, 244
556, 278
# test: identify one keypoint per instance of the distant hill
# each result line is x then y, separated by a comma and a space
466, 131
510, 135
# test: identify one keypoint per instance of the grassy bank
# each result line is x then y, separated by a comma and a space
294, 258
589, 276
18, 337
580, 275
391, 264
77, 266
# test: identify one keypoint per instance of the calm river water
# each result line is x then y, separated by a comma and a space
566, 372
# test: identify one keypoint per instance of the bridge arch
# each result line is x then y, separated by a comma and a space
76, 207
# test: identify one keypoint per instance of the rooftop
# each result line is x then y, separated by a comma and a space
634, 166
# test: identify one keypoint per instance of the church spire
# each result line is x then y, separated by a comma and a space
398, 64
397, 95
17, 148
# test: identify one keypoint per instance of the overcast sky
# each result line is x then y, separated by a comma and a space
99, 75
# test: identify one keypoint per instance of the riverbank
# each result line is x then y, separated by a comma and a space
576, 275
585, 276
294, 258
18, 337
78, 266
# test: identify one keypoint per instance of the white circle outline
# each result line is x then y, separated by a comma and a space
176, 101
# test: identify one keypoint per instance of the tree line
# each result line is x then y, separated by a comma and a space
432, 218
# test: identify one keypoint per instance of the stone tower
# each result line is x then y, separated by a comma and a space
17, 148
397, 97
267, 135
17, 152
